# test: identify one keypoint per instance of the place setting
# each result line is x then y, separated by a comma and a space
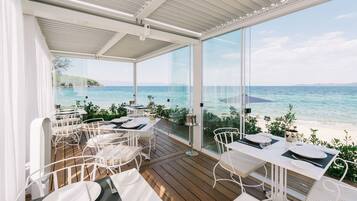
103, 189
259, 140
134, 124
307, 156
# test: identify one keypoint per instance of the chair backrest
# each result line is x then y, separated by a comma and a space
91, 130
338, 187
224, 136
84, 169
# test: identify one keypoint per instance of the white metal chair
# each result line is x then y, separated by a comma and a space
150, 138
40, 182
65, 129
119, 152
234, 162
331, 189
94, 135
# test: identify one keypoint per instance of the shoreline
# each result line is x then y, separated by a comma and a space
327, 131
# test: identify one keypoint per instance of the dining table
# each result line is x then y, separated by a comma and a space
142, 126
279, 154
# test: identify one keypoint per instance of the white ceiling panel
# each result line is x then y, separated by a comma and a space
73, 38
131, 46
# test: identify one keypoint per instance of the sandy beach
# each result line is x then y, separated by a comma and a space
326, 130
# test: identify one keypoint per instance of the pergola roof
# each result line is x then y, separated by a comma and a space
116, 28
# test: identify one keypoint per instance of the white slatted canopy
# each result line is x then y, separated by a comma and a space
113, 28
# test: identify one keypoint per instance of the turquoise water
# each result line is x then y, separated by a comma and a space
317, 103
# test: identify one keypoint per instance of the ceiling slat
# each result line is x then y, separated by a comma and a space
226, 7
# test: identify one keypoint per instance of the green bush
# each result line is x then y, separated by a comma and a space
94, 111
279, 126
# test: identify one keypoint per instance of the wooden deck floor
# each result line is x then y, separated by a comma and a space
175, 176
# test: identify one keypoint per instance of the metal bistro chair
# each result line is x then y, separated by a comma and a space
331, 189
149, 138
65, 129
40, 182
234, 162
116, 151
94, 135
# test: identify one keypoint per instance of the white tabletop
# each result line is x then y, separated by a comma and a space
273, 154
141, 120
132, 186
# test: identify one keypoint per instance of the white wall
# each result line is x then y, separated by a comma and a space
38, 76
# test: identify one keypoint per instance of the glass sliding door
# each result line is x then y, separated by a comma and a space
180, 90
221, 85
166, 82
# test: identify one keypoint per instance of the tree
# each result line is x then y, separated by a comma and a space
61, 63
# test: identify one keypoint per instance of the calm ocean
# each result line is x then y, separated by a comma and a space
317, 103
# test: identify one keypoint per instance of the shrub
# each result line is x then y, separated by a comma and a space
279, 126
94, 111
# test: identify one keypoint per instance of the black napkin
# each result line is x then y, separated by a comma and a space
253, 144
106, 194
324, 161
140, 126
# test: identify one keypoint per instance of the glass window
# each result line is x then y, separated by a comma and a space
307, 60
221, 85
85, 80
165, 81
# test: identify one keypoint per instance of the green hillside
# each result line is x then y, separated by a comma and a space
75, 81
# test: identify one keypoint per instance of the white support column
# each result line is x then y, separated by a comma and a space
197, 93
243, 80
135, 84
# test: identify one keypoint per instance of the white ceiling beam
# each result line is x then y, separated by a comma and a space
114, 40
84, 19
148, 8
172, 28
161, 51
268, 14
90, 56
101, 10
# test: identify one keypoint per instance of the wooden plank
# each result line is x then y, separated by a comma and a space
193, 178
185, 193
230, 194
163, 189
202, 195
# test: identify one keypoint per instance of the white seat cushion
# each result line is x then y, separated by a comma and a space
102, 139
319, 193
242, 164
245, 197
117, 153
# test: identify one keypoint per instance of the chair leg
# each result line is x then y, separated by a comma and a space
137, 165
266, 176
241, 184
214, 175
149, 154
155, 140
83, 151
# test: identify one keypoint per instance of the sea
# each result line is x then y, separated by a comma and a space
311, 103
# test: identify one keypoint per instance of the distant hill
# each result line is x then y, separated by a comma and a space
330, 84
75, 81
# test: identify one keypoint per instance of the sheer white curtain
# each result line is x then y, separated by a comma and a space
39, 90
12, 100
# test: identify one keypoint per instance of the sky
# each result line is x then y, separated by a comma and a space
316, 45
